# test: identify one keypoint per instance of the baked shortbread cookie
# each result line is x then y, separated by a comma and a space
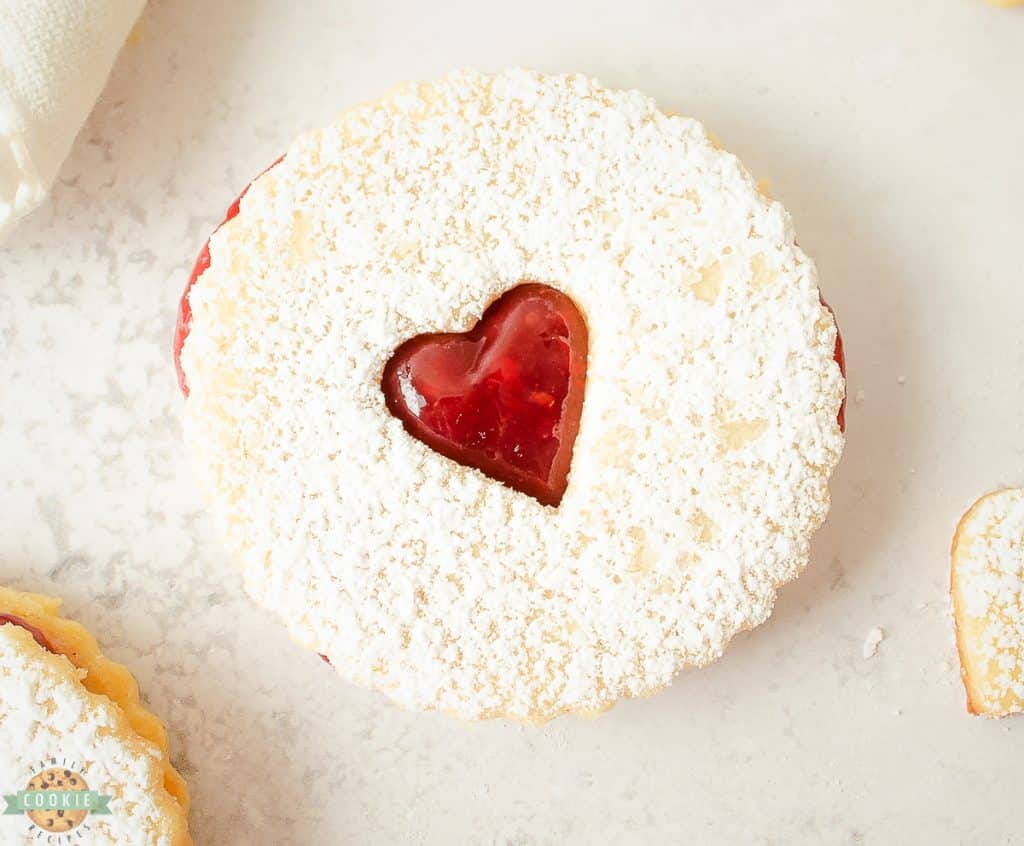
512, 394
71, 720
987, 587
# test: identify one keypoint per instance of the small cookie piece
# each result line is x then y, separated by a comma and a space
987, 587
71, 722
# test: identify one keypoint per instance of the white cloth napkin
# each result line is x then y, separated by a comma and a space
55, 56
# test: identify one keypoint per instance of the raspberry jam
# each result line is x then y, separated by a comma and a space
184, 323
840, 357
504, 397
39, 637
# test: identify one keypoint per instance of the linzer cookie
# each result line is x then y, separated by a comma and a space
512, 394
81, 760
987, 587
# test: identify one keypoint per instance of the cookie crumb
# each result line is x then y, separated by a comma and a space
871, 642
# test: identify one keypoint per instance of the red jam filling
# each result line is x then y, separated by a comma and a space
184, 323
39, 637
504, 397
840, 357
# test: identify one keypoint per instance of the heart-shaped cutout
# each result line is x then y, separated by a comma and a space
504, 397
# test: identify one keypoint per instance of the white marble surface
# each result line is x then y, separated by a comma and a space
893, 132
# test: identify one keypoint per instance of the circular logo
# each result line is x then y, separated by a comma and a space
57, 820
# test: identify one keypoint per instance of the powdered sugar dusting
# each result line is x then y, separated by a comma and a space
708, 430
988, 598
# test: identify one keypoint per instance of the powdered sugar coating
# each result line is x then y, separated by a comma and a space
708, 430
988, 590
46, 713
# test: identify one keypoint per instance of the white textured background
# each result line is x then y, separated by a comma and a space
894, 132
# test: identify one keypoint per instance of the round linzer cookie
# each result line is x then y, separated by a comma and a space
81, 761
512, 394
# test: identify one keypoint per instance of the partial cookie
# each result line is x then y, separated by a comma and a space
987, 587
79, 755
401, 297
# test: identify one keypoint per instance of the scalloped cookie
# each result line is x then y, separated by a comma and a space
71, 721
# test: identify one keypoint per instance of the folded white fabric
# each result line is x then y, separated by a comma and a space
55, 56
